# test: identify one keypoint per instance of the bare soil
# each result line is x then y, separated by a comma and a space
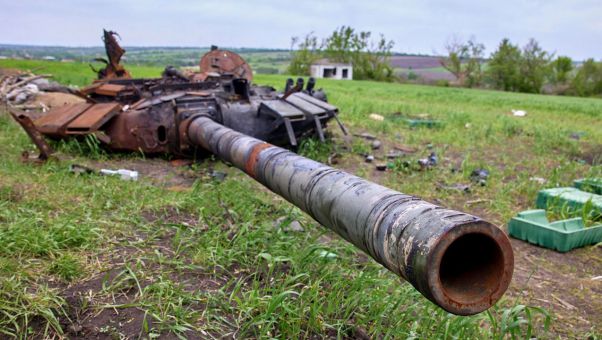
90, 315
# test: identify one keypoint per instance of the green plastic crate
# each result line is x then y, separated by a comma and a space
593, 185
533, 226
571, 198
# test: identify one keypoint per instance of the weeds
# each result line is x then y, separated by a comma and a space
314, 149
66, 267
20, 305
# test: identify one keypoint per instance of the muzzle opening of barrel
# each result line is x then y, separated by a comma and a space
471, 269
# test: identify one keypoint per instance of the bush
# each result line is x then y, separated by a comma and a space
588, 80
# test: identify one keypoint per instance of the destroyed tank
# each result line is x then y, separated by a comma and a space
128, 114
460, 262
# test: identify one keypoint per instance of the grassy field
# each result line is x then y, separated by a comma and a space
74, 73
179, 253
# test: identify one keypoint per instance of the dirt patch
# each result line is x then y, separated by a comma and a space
590, 154
170, 215
96, 315
12, 193
562, 283
160, 172
108, 305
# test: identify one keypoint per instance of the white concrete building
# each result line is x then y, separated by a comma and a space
324, 68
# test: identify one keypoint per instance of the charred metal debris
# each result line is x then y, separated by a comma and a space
150, 115
460, 262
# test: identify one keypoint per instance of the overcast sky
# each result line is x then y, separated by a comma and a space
568, 27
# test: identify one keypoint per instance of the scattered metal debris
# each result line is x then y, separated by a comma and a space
81, 169
455, 187
365, 135
429, 162
218, 176
333, 158
393, 154
284, 224
35, 136
480, 176
404, 149
577, 135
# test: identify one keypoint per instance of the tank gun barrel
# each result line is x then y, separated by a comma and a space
458, 261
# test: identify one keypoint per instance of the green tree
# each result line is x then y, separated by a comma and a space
534, 67
503, 69
561, 68
370, 59
588, 80
307, 53
464, 61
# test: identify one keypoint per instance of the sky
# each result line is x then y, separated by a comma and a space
566, 27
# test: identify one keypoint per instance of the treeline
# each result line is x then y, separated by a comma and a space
369, 58
528, 69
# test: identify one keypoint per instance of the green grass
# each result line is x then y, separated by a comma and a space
74, 73
207, 261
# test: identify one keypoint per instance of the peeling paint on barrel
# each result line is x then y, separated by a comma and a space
407, 235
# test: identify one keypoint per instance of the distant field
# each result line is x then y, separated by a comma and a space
261, 60
426, 68
426, 74
415, 62
178, 253
80, 74
74, 73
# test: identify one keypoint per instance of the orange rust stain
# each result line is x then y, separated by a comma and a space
250, 164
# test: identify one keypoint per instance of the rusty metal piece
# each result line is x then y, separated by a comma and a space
93, 118
54, 123
460, 262
224, 62
109, 89
113, 69
36, 137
